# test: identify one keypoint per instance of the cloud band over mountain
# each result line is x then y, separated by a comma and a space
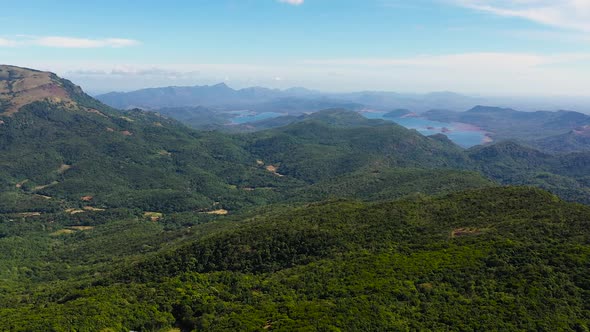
66, 42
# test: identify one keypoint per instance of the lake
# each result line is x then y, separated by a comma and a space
248, 116
462, 134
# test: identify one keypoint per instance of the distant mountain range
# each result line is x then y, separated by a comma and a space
294, 100
297, 100
553, 132
207, 107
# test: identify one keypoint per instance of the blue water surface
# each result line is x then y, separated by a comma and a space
247, 117
456, 132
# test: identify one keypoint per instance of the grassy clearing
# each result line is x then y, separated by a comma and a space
274, 170
81, 228
153, 216
37, 188
74, 211
63, 168
218, 212
91, 208
62, 232
29, 214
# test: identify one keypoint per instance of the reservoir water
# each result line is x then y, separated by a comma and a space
462, 134
247, 116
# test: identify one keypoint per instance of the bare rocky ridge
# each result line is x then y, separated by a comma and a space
20, 87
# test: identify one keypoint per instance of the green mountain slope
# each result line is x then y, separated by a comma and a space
70, 152
511, 163
126, 220
312, 150
388, 183
73, 152
494, 259
577, 140
71, 148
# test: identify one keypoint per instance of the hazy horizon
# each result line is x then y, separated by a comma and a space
521, 103
472, 47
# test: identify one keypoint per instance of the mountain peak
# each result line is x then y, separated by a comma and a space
343, 118
221, 85
22, 86
482, 108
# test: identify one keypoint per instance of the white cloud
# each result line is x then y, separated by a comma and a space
7, 42
129, 71
565, 14
66, 42
293, 2
516, 74
480, 60
481, 73
69, 42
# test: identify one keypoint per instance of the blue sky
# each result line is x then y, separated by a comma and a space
486, 47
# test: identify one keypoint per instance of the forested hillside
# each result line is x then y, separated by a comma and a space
508, 162
126, 220
59, 155
58, 151
501, 259
64, 152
